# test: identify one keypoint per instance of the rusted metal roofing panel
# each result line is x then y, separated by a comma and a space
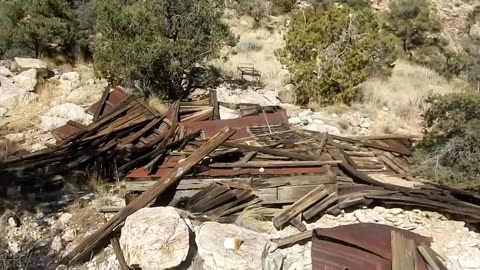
116, 96
211, 127
332, 256
66, 130
367, 238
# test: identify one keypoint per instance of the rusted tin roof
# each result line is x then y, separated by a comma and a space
359, 246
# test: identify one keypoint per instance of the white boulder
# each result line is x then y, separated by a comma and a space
155, 238
58, 115
23, 64
69, 81
26, 80
3, 112
10, 93
315, 126
226, 113
5, 72
251, 254
286, 94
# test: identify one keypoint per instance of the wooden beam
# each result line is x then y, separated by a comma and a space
89, 243
373, 145
320, 206
292, 240
299, 206
101, 104
214, 104
273, 164
431, 258
270, 151
403, 252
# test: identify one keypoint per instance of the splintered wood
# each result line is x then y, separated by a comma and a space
89, 243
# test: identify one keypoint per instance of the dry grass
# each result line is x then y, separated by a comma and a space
158, 104
256, 46
47, 91
404, 92
7, 148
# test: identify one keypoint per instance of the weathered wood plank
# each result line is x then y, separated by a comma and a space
292, 240
431, 258
403, 252
90, 242
299, 206
320, 206
274, 164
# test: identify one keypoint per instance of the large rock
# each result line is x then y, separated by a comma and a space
155, 238
321, 127
5, 72
26, 80
70, 111
10, 93
286, 94
210, 243
475, 31
69, 81
24, 64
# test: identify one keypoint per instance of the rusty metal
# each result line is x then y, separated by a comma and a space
332, 256
211, 127
116, 97
366, 238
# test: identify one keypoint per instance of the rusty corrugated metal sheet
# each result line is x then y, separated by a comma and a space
211, 127
332, 256
357, 239
65, 131
116, 96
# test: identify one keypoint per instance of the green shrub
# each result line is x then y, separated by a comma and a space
450, 149
33, 27
330, 52
279, 7
156, 45
413, 23
325, 4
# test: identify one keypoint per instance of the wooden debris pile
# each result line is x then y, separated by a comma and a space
190, 158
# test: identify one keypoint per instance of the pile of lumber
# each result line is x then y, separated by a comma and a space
190, 158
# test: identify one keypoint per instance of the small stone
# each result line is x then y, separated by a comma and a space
379, 209
57, 244
361, 217
396, 211
14, 221
452, 244
294, 120
64, 218
469, 262
305, 114
69, 235
5, 72
408, 226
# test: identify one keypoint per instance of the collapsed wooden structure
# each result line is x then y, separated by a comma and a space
190, 158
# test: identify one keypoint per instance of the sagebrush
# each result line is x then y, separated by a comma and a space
450, 149
330, 52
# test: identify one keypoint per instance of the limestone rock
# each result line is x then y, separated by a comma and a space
69, 81
226, 113
155, 238
475, 30
57, 244
51, 122
468, 262
10, 93
64, 218
286, 94
15, 137
24, 64
210, 242
294, 120
26, 80
323, 128
60, 114
3, 112
69, 235
5, 72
